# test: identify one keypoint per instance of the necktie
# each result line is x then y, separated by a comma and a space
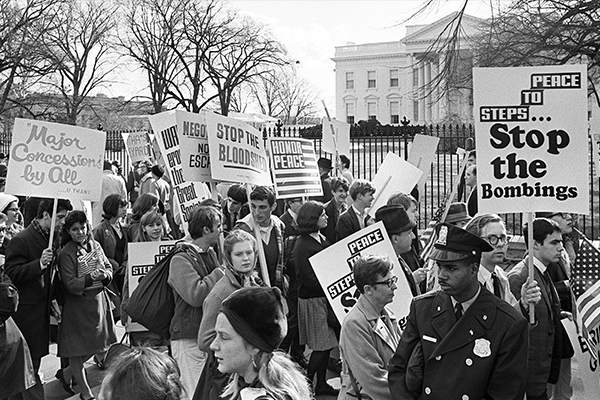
458, 311
496, 281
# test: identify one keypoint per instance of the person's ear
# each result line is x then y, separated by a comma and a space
274, 206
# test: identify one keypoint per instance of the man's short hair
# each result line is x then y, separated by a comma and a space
203, 216
542, 228
238, 193
476, 225
339, 182
263, 193
345, 161
107, 166
158, 170
369, 269
48, 205
291, 200
361, 186
404, 199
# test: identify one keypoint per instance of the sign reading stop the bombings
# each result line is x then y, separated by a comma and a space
532, 142
333, 267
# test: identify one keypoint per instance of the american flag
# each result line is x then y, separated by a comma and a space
585, 283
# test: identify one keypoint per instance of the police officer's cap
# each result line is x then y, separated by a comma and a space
454, 243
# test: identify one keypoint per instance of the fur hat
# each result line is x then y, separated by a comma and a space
256, 313
5, 200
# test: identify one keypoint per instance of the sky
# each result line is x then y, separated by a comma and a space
311, 29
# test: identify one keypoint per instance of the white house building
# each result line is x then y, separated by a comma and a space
388, 81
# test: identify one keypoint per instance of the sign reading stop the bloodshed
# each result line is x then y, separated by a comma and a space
532, 142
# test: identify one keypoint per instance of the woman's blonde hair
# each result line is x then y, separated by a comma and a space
151, 217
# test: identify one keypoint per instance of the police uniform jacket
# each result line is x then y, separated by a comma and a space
482, 355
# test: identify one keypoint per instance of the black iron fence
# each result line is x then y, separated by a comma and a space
370, 145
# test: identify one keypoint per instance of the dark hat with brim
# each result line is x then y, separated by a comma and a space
454, 244
325, 163
457, 213
394, 218
545, 214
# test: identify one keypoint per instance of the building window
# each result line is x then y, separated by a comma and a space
415, 111
349, 80
371, 79
415, 77
350, 113
393, 78
371, 111
394, 112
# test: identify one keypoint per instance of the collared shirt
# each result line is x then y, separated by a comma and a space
316, 236
484, 276
361, 216
265, 231
293, 214
468, 303
539, 265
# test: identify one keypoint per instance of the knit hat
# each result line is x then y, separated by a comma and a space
256, 314
5, 200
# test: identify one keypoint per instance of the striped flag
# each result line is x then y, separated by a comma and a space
585, 283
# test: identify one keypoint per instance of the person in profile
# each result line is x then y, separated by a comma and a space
142, 373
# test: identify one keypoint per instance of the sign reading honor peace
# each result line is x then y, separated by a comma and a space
55, 160
333, 267
142, 257
237, 153
294, 167
532, 146
194, 146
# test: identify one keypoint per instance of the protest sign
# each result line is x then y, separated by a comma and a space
138, 146
142, 257
531, 148
595, 134
421, 155
294, 167
394, 175
342, 137
236, 151
55, 160
333, 267
194, 146
589, 366
167, 138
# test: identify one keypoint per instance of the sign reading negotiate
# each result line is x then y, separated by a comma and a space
532, 147
55, 160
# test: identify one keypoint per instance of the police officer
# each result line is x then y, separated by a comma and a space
460, 342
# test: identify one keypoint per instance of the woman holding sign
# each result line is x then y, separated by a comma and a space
313, 326
87, 326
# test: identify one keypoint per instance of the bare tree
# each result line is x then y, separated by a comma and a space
266, 92
79, 47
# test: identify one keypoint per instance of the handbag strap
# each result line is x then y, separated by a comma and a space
354, 383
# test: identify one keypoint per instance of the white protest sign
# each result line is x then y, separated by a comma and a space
167, 138
589, 367
55, 160
294, 166
342, 137
138, 145
595, 134
394, 175
421, 155
333, 267
532, 146
236, 151
142, 257
194, 146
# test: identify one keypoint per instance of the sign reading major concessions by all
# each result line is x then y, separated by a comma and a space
236, 151
143, 256
333, 267
194, 146
294, 167
55, 160
532, 146
138, 146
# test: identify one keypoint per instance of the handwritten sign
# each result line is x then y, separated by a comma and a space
531, 126
55, 160
143, 256
333, 267
236, 151
193, 135
294, 166
138, 145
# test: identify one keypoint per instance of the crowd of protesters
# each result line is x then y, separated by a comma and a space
467, 335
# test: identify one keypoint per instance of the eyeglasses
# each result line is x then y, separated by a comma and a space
390, 282
494, 240
13, 209
560, 214
3, 229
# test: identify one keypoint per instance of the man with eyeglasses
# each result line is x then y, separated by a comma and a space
490, 227
370, 331
460, 342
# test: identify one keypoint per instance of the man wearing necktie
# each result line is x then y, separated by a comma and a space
490, 227
545, 337
460, 342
